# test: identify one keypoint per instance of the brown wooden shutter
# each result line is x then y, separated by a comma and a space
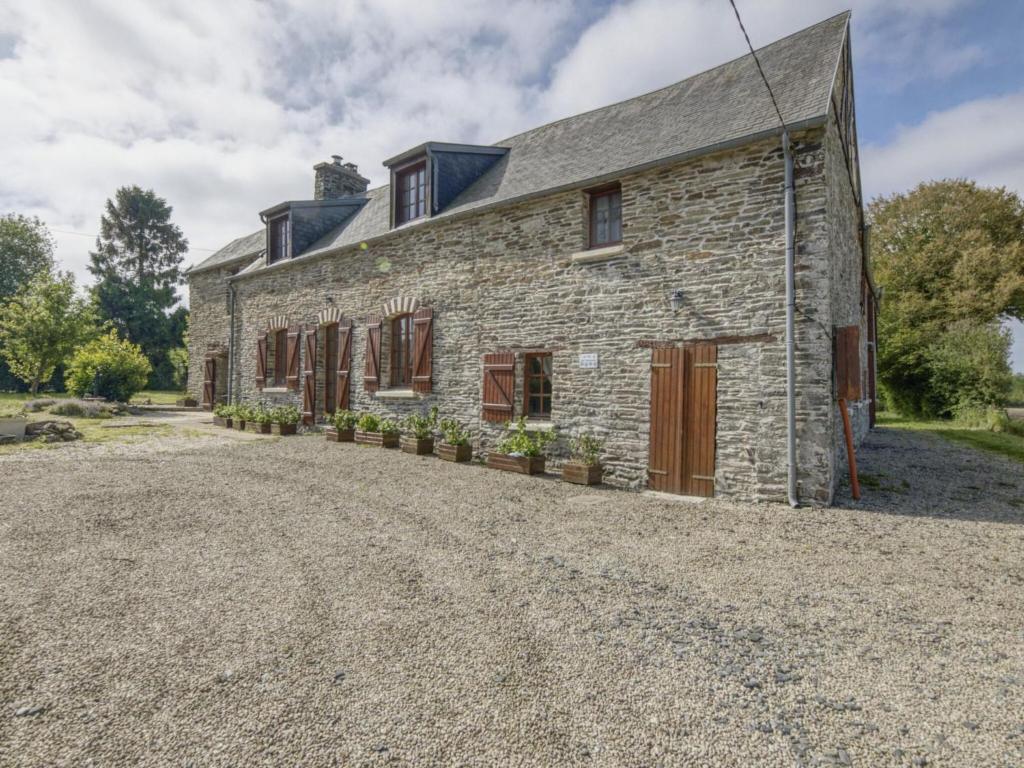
499, 386
700, 419
423, 349
847, 362
293, 357
371, 375
344, 364
309, 379
209, 381
261, 361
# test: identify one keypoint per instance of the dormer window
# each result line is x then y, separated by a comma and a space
279, 241
411, 185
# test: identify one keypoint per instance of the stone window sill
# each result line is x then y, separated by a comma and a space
397, 394
595, 255
275, 390
539, 425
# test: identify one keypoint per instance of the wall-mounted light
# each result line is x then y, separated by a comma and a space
330, 299
676, 299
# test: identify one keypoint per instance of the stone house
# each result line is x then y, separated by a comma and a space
621, 273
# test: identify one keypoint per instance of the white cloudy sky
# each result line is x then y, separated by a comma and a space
224, 107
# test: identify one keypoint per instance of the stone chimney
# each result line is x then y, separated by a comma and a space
337, 179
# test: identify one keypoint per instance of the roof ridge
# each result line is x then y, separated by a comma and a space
675, 83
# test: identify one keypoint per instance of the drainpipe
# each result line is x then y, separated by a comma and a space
787, 155
231, 339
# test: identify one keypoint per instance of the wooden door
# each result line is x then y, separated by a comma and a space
309, 379
330, 368
684, 384
209, 382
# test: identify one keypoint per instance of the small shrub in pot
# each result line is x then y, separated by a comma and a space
343, 427
284, 419
584, 468
372, 430
519, 450
239, 415
420, 439
259, 419
454, 445
223, 414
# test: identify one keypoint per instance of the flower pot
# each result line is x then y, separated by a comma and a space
455, 452
258, 428
282, 429
582, 474
524, 465
377, 438
334, 435
238, 424
222, 421
423, 447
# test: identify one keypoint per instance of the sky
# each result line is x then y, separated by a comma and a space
223, 108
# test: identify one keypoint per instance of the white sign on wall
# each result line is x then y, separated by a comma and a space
588, 360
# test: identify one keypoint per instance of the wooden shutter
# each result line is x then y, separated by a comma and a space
209, 382
847, 362
666, 435
344, 364
371, 375
261, 361
499, 386
309, 379
699, 420
423, 349
293, 357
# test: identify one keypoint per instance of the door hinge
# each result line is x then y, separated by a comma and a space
661, 365
705, 365
703, 477
657, 472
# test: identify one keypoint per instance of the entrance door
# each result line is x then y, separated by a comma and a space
684, 391
209, 382
330, 368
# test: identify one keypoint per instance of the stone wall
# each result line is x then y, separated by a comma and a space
505, 280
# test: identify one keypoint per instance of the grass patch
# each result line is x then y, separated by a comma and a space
1003, 443
156, 397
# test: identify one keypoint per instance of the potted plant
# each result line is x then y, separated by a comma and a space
284, 419
239, 415
223, 414
584, 468
259, 419
421, 441
343, 427
520, 451
371, 429
454, 445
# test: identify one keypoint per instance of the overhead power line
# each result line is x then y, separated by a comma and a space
757, 61
86, 234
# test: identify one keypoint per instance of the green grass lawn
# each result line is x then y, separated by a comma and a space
158, 397
1003, 443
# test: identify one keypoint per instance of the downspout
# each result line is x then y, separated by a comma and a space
787, 155
231, 338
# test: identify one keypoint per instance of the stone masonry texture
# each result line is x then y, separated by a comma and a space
504, 280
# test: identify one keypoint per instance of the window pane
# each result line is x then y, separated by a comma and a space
547, 386
534, 386
547, 364
547, 405
535, 365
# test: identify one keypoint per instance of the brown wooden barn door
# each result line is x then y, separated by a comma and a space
209, 382
666, 419
684, 383
309, 379
330, 369
699, 419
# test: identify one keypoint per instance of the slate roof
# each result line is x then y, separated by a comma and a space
724, 105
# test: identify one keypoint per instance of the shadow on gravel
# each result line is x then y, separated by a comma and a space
917, 474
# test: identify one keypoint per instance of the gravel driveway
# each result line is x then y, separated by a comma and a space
214, 601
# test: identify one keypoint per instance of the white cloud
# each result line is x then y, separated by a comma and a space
224, 107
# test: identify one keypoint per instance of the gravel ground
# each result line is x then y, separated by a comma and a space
222, 600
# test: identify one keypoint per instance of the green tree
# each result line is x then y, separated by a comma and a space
969, 366
26, 249
108, 366
946, 253
137, 266
40, 326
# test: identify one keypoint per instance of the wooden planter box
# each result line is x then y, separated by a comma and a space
582, 474
524, 465
423, 447
238, 424
221, 421
339, 436
377, 438
282, 429
260, 429
455, 452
